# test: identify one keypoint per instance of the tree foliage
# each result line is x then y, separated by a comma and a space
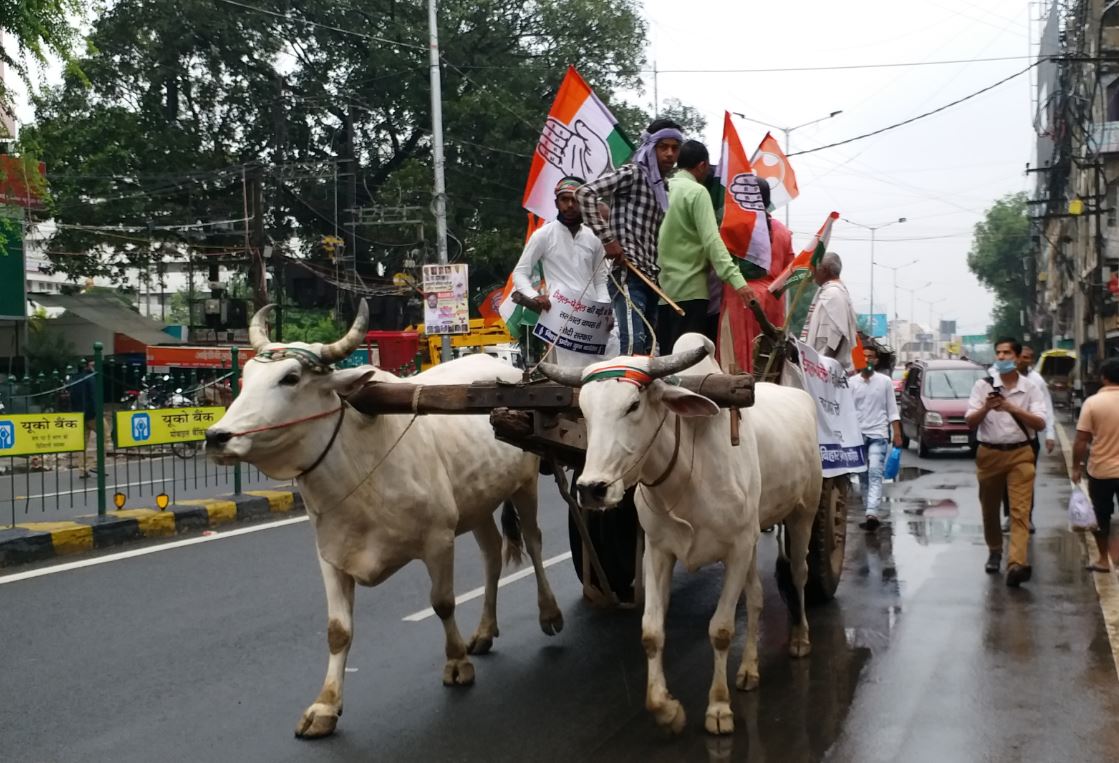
37, 28
999, 253
187, 99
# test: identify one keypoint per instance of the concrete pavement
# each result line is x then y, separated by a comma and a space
210, 651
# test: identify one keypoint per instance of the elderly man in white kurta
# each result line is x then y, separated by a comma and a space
831, 328
571, 257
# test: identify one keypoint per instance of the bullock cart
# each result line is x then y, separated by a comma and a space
543, 417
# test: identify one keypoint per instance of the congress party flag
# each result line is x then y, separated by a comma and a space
798, 269
581, 138
771, 165
745, 229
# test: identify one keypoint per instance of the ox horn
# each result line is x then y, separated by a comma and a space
676, 362
347, 344
572, 377
258, 328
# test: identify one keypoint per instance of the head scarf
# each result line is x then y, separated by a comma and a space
567, 185
646, 157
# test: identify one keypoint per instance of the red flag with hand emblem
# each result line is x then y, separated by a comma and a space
771, 165
744, 228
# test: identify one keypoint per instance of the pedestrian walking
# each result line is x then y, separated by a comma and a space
571, 258
1025, 368
877, 411
1098, 427
81, 401
637, 195
690, 245
1007, 410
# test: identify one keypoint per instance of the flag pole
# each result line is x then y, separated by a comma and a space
653, 285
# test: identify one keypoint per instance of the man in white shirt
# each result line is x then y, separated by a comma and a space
1008, 410
571, 257
831, 328
1025, 368
877, 410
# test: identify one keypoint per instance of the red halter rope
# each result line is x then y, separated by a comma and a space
340, 410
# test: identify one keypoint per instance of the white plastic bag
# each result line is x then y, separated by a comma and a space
1080, 513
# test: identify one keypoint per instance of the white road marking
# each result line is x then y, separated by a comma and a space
423, 614
1107, 589
15, 578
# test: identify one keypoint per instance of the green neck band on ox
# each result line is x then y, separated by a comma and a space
306, 358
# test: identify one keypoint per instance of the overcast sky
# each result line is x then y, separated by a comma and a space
940, 173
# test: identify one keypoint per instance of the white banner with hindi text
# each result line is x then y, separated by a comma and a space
574, 323
837, 424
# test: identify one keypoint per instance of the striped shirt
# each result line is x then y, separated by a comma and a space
635, 216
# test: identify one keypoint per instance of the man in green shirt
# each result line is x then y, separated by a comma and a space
689, 245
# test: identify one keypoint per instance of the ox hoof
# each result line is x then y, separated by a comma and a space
746, 681
800, 648
480, 644
458, 673
551, 622
671, 716
720, 719
318, 720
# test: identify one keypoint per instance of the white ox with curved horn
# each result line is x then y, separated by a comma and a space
384, 490
700, 499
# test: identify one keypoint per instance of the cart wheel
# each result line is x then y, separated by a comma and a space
614, 535
829, 542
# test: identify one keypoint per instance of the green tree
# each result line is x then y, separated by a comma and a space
688, 117
47, 349
187, 99
1000, 251
37, 28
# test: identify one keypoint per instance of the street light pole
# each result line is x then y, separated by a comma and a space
440, 200
873, 229
788, 131
895, 269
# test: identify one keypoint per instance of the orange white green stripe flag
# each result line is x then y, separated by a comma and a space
771, 165
581, 138
798, 269
744, 229
499, 304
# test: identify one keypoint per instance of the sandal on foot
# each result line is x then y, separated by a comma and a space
1096, 568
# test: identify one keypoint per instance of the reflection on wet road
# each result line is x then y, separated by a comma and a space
922, 657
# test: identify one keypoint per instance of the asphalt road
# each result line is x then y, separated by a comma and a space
211, 652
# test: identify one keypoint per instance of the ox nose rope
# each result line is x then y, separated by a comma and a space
340, 410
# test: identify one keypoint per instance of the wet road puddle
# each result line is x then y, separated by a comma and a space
907, 473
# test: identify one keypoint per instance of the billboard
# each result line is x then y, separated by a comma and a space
873, 324
947, 330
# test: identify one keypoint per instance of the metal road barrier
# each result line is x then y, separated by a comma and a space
54, 461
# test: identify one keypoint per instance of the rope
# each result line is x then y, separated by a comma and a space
291, 423
377, 465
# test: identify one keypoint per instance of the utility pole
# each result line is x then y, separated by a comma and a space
256, 247
440, 200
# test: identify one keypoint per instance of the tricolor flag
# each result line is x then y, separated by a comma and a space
771, 164
744, 227
798, 269
499, 305
580, 138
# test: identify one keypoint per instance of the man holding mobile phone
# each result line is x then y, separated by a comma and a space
1008, 411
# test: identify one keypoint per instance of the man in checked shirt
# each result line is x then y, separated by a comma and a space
637, 194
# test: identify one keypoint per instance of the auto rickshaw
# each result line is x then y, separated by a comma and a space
1058, 367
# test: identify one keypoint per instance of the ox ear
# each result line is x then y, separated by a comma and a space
685, 402
347, 381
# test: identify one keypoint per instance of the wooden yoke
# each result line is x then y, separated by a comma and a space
725, 390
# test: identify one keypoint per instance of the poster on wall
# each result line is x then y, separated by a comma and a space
446, 310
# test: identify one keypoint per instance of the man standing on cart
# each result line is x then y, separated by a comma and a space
637, 194
571, 258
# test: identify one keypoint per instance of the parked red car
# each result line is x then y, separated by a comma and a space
933, 403
898, 378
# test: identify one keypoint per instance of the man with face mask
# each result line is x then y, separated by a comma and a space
571, 258
1008, 411
877, 410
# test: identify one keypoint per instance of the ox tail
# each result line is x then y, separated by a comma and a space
513, 549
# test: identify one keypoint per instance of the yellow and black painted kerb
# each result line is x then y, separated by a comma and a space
35, 541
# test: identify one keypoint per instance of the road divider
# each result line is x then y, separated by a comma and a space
38, 541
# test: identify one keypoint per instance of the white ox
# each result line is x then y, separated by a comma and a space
700, 499
384, 490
